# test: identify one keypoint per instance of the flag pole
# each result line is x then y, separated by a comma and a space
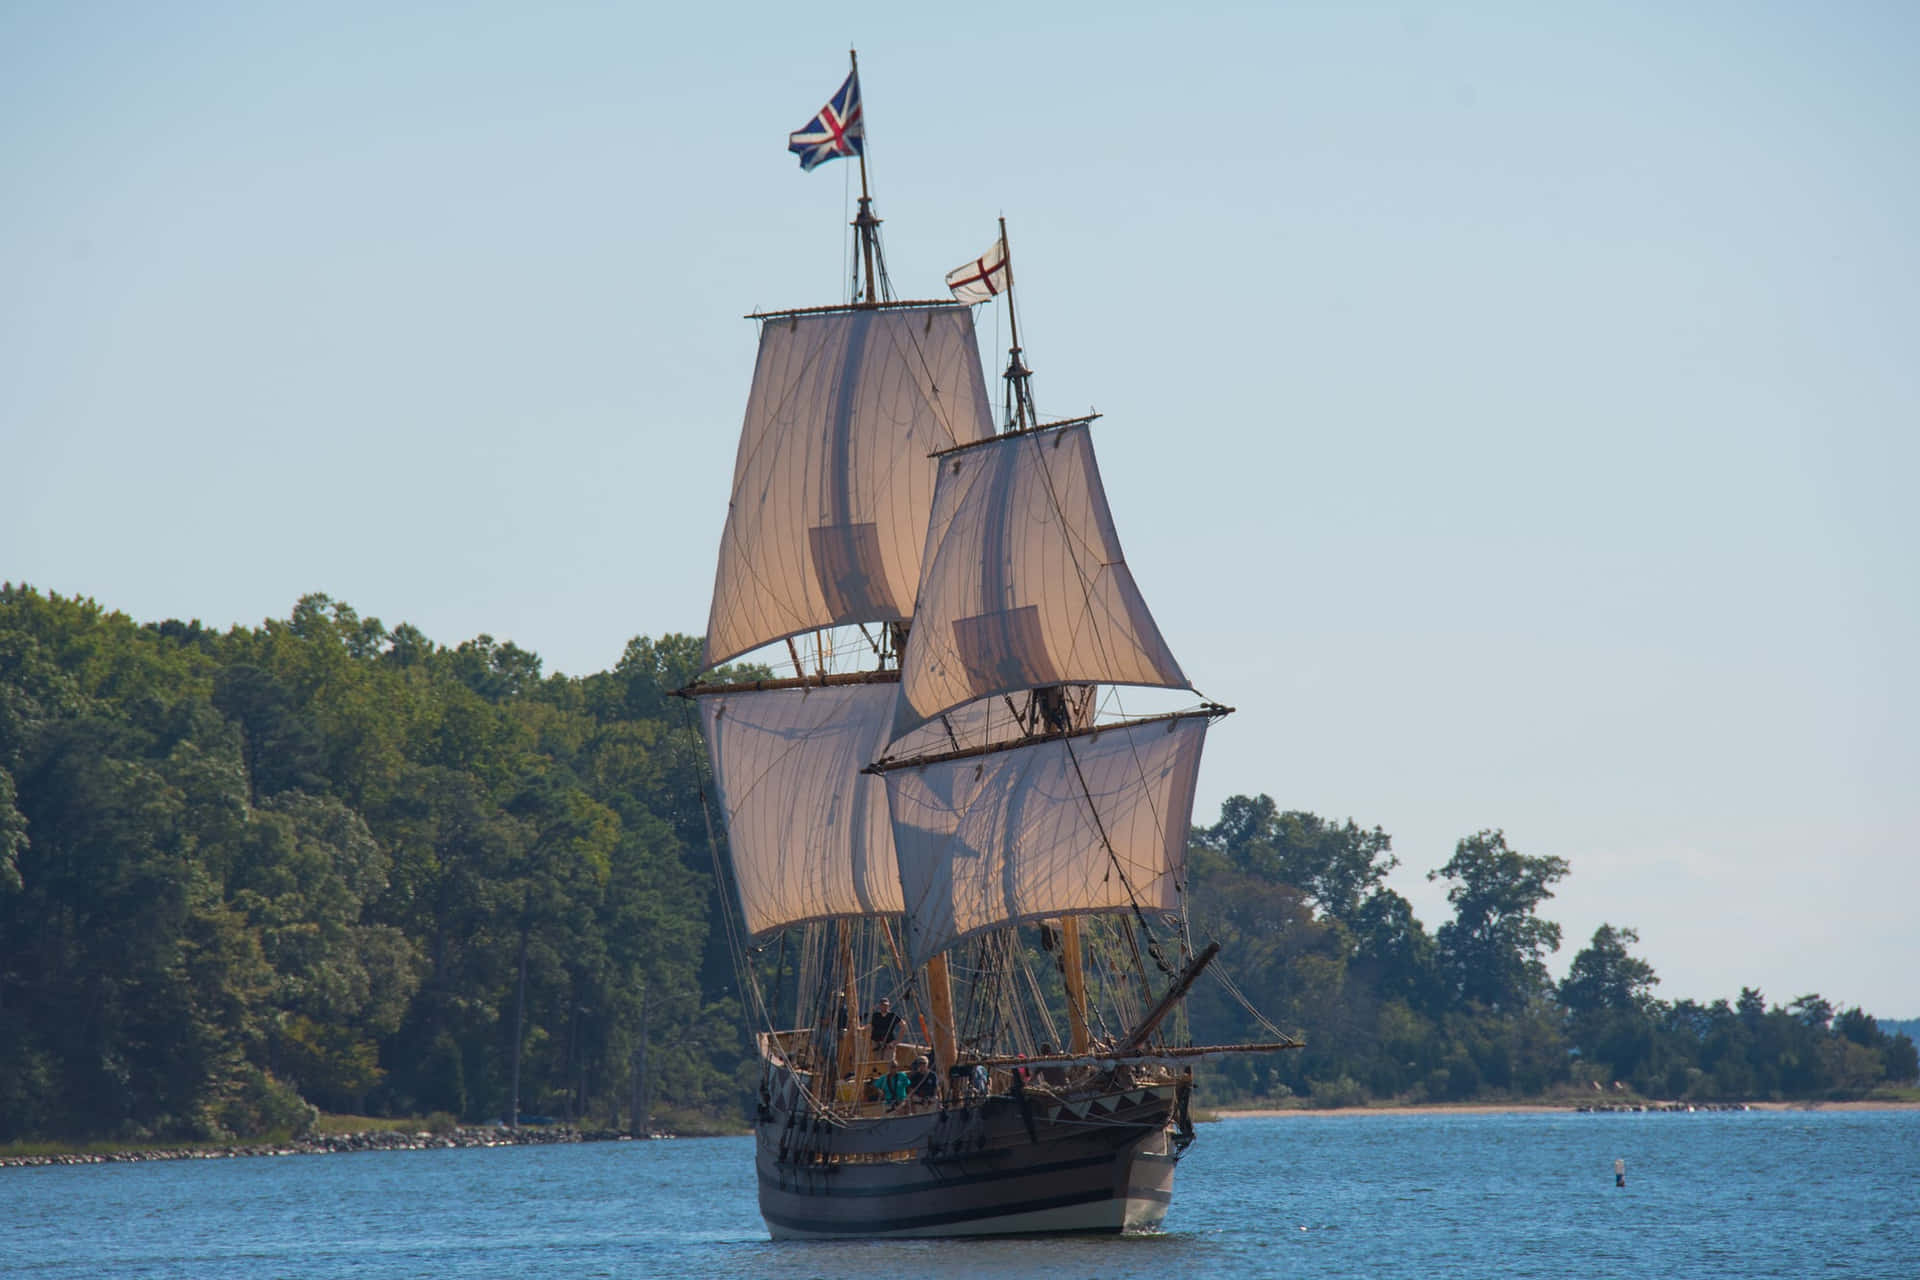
1020, 412
867, 225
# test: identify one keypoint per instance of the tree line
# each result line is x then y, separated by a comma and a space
1470, 1011
319, 863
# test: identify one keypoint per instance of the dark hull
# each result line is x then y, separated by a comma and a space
1002, 1166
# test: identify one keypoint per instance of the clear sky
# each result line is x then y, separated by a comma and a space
1511, 409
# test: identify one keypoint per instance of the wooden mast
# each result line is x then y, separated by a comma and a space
865, 223
1021, 417
1020, 413
939, 982
1076, 982
940, 1006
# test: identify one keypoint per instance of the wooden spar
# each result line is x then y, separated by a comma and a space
1147, 1026
1076, 980
1033, 428
940, 1000
1209, 710
888, 676
1096, 1058
903, 304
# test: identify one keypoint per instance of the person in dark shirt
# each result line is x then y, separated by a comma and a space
922, 1084
886, 1025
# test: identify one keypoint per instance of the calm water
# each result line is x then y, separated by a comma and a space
1711, 1195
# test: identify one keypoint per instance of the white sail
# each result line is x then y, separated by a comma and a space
1024, 584
807, 830
832, 483
1066, 825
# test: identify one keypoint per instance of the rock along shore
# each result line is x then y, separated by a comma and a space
337, 1143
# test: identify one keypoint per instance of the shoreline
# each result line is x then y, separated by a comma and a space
488, 1136
334, 1144
1566, 1108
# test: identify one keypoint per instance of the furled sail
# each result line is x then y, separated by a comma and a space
832, 483
807, 830
1065, 825
1024, 584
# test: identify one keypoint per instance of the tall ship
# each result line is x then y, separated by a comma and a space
953, 867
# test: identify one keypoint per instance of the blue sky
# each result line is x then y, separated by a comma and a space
1511, 409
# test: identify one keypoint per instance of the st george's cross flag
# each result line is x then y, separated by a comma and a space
837, 131
982, 278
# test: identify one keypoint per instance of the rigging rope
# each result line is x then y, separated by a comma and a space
1219, 971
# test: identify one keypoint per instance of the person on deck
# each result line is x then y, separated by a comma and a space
885, 1026
893, 1088
922, 1084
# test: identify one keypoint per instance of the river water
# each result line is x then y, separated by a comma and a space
1708, 1194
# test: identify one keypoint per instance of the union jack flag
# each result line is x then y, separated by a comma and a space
837, 131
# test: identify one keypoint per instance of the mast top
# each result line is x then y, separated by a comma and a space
866, 225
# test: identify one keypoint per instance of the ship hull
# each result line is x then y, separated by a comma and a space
1003, 1166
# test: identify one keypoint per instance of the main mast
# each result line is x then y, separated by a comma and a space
866, 225
826, 526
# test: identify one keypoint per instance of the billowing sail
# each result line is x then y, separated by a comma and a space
1024, 584
807, 830
833, 483
1066, 825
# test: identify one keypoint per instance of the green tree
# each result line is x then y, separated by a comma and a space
1492, 951
1338, 866
1604, 977
1607, 994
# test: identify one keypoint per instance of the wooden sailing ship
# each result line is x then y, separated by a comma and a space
939, 807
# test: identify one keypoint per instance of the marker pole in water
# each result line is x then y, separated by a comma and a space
1619, 1173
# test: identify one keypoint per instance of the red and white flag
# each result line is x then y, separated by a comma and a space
982, 278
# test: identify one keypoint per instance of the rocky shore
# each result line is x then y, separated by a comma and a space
1664, 1106
338, 1143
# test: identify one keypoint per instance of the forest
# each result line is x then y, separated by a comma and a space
317, 864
